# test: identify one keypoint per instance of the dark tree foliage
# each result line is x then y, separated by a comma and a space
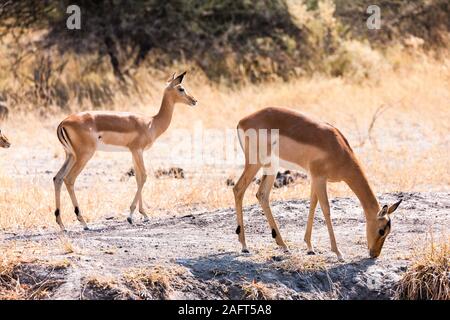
194, 30
429, 20
229, 40
206, 31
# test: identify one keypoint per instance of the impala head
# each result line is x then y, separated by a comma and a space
4, 143
177, 92
378, 230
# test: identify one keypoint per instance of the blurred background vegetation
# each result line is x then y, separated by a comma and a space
124, 46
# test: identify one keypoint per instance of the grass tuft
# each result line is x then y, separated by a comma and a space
257, 291
152, 283
428, 278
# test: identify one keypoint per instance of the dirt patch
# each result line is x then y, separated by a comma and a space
197, 256
282, 179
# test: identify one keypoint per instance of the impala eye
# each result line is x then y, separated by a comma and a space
181, 89
381, 232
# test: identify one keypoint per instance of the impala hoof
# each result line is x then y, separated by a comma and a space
130, 221
310, 253
245, 250
146, 220
86, 228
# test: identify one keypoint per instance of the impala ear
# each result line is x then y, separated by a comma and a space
178, 79
171, 78
394, 206
383, 211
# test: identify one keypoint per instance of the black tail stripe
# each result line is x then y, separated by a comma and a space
65, 135
59, 134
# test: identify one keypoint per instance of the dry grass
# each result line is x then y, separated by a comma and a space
428, 278
300, 263
152, 283
104, 288
19, 283
257, 291
408, 139
67, 246
137, 283
9, 286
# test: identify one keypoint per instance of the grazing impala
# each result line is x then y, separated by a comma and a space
84, 133
294, 140
4, 143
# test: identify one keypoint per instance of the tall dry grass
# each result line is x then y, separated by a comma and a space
428, 277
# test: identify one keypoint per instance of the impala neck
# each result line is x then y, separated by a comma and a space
162, 119
357, 181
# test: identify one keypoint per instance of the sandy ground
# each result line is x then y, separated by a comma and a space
203, 250
195, 249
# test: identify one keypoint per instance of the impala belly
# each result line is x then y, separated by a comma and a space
290, 154
113, 141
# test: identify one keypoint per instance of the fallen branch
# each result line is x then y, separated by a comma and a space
378, 112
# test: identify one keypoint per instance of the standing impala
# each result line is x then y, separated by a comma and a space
84, 133
319, 148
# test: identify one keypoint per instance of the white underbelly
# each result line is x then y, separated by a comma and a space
101, 146
276, 163
292, 166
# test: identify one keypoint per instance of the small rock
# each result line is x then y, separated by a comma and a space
230, 182
174, 172
277, 258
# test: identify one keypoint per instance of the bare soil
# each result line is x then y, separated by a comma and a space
200, 254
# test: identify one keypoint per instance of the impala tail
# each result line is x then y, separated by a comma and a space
239, 135
63, 137
4, 142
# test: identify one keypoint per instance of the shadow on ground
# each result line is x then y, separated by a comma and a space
351, 280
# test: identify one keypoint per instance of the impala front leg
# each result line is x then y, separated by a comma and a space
309, 225
319, 185
141, 177
142, 209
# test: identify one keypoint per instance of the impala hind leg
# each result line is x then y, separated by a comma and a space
69, 181
263, 195
58, 181
309, 225
141, 177
239, 189
320, 188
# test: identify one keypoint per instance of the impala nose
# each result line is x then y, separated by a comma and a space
373, 254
